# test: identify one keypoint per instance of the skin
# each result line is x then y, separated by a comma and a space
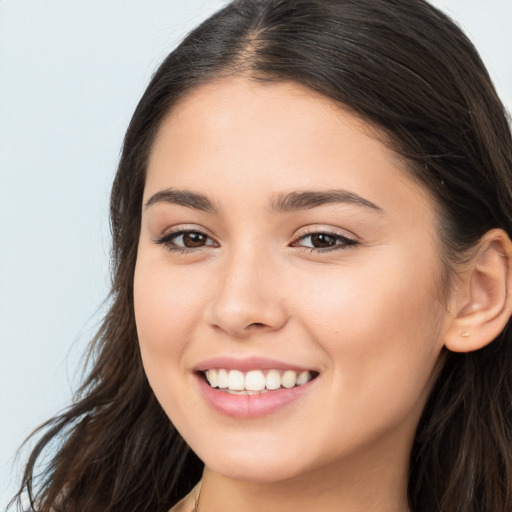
368, 317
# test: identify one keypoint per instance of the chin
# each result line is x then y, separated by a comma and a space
256, 471
263, 463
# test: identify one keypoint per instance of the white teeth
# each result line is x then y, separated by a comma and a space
236, 381
212, 378
273, 379
289, 379
255, 381
303, 377
246, 392
222, 379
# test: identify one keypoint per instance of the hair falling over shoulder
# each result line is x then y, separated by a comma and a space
407, 69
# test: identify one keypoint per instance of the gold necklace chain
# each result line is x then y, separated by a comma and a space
196, 501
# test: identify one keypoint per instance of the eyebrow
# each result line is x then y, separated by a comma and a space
183, 198
295, 201
283, 203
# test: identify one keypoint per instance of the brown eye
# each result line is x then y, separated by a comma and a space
193, 239
322, 240
186, 240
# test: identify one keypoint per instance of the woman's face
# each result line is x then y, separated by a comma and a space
280, 241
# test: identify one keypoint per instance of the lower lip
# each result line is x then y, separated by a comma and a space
251, 406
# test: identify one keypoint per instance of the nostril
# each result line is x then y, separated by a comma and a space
257, 324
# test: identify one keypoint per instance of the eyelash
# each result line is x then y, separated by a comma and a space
167, 241
341, 242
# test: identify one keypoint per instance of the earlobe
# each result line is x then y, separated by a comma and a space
481, 303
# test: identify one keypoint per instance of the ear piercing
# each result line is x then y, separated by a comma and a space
465, 334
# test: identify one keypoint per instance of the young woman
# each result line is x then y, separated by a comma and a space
312, 274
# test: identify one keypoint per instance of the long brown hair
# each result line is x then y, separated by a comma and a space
407, 69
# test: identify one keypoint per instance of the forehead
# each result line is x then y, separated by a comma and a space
237, 137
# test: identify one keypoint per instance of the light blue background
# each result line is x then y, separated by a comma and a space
71, 73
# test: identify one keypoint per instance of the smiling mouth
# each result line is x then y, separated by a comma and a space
256, 382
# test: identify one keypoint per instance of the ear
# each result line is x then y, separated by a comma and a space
481, 300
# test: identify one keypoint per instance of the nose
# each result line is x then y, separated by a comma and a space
247, 298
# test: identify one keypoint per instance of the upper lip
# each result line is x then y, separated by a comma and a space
248, 363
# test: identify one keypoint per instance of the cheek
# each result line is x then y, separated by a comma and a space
384, 294
379, 325
166, 313
165, 307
